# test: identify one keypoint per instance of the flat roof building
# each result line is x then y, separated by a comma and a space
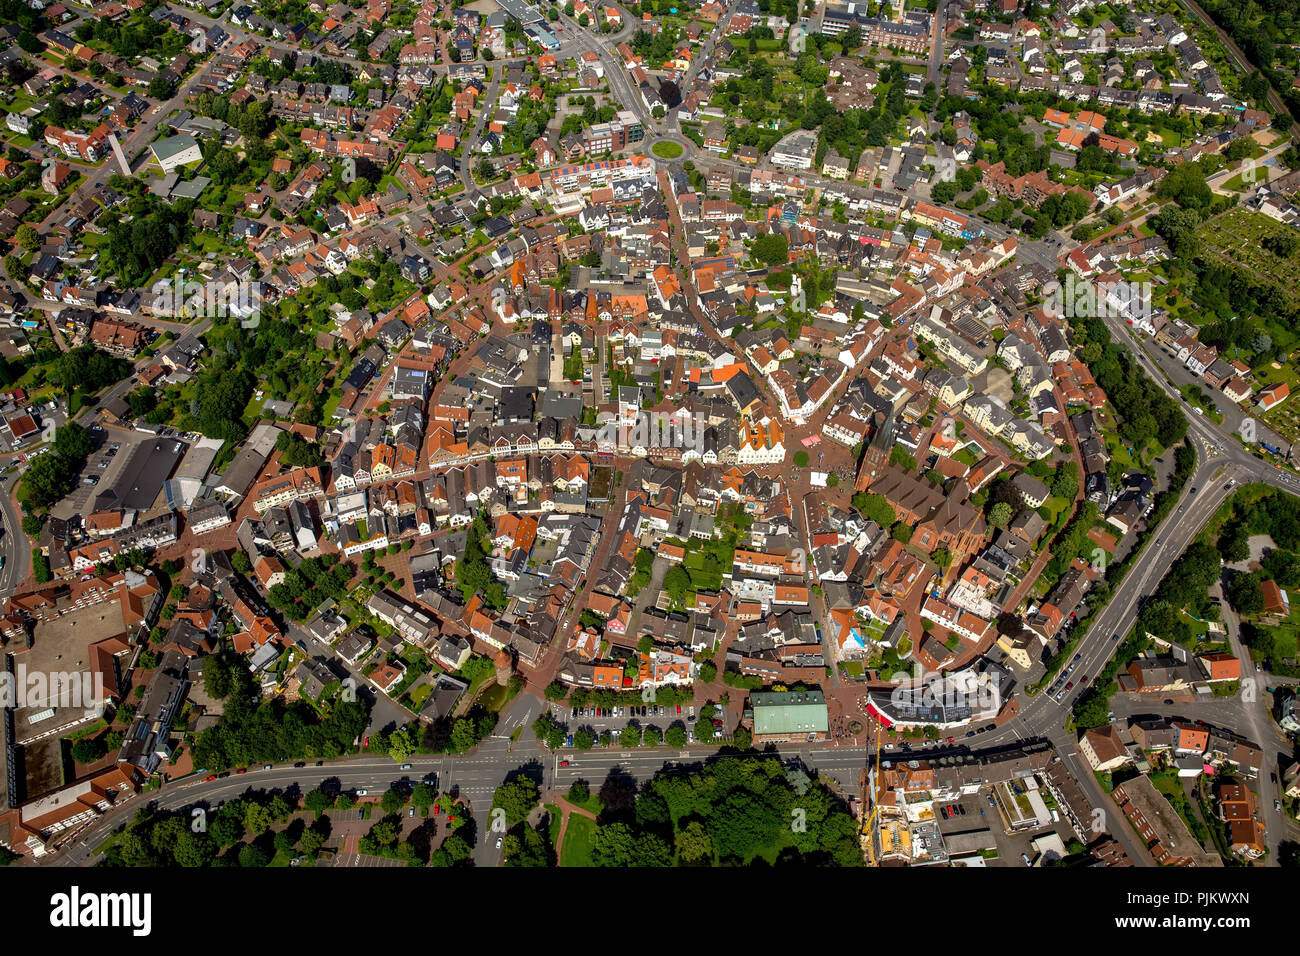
789, 715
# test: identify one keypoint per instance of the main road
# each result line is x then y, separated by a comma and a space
472, 777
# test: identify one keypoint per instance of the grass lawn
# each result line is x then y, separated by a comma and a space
1171, 788
1056, 505
1199, 628
1237, 184
579, 839
666, 149
1276, 372
1286, 640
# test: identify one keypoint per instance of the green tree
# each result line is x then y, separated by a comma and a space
194, 849
875, 508
517, 797
423, 797
88, 750
318, 801
311, 842
251, 855
29, 237
392, 800
771, 248
1000, 514
694, 845
257, 818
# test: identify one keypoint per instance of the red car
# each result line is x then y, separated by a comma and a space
679, 708
242, 770
564, 763
209, 778
367, 743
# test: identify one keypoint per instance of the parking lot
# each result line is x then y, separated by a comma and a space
977, 821
646, 715
102, 468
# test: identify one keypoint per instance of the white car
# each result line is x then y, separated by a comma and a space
498, 843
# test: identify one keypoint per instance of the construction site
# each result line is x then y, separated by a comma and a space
1010, 807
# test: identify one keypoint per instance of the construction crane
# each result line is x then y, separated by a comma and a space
869, 792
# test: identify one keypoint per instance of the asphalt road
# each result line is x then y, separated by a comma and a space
934, 68
473, 778
14, 546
